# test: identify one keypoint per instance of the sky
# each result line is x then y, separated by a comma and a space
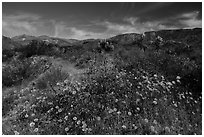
96, 20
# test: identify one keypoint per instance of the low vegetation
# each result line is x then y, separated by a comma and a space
125, 90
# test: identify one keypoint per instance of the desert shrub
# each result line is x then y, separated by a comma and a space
8, 99
14, 72
83, 60
7, 54
51, 77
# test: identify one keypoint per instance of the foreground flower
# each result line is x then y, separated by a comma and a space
66, 129
36, 130
32, 124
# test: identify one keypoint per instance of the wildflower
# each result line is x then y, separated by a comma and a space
74, 92
50, 103
32, 124
135, 127
36, 130
26, 115
137, 100
146, 120
178, 77
152, 128
16, 132
35, 119
173, 82
98, 118
169, 83
66, 117
60, 110
167, 129
74, 118
66, 129
83, 122
110, 111
84, 125
123, 126
129, 113
66, 81
155, 102
78, 122
115, 109
118, 112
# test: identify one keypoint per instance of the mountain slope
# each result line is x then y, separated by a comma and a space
130, 84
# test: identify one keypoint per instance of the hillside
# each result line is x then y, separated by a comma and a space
26, 39
131, 84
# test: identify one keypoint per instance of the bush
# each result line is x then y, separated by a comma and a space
51, 77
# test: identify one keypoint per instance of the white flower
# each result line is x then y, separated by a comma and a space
152, 128
32, 124
98, 118
78, 122
178, 81
74, 118
66, 81
173, 82
123, 126
66, 129
66, 117
60, 110
35, 120
146, 120
167, 129
178, 77
154, 102
73, 92
26, 115
129, 113
155, 122
36, 130
16, 132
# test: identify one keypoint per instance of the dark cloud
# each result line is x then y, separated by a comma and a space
97, 20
